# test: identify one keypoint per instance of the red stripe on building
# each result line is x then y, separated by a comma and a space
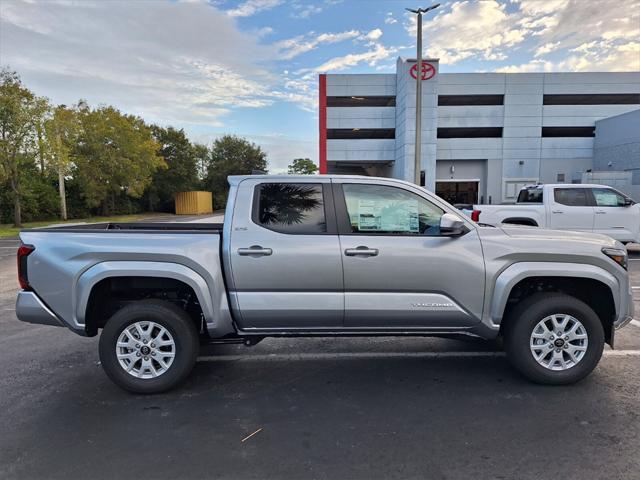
323, 123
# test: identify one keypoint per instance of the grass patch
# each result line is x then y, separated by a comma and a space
8, 230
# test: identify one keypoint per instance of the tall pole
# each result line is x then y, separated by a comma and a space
418, 157
417, 164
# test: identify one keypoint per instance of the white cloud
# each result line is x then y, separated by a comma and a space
389, 20
251, 7
592, 56
183, 63
546, 48
293, 47
469, 29
487, 30
371, 57
305, 10
373, 35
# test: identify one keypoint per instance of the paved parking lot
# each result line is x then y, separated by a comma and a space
322, 408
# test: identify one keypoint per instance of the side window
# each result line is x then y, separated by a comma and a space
290, 207
573, 197
608, 198
390, 210
530, 195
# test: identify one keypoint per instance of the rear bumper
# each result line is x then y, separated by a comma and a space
30, 309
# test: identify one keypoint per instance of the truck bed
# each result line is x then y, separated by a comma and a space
140, 227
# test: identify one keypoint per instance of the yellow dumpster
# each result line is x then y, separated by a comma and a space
194, 203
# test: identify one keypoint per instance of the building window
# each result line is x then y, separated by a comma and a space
290, 207
465, 100
368, 101
560, 178
360, 133
474, 132
592, 99
568, 131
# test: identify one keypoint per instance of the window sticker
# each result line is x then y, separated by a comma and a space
381, 215
606, 199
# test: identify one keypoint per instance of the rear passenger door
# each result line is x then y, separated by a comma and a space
286, 268
570, 209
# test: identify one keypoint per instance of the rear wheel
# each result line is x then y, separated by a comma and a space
149, 346
554, 339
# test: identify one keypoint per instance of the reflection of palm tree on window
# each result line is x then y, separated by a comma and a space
287, 203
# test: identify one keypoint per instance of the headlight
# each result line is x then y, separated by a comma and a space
617, 255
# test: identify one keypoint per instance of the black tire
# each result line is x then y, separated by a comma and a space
524, 318
179, 325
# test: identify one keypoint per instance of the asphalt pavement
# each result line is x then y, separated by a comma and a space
312, 408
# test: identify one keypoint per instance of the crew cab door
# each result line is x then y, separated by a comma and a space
400, 272
614, 216
570, 209
284, 253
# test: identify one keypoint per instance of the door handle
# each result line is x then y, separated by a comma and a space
600, 212
255, 251
362, 250
557, 211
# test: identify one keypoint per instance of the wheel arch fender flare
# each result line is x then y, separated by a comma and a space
92, 276
517, 272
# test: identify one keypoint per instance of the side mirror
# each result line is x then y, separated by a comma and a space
628, 202
451, 225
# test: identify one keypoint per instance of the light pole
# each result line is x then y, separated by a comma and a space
417, 166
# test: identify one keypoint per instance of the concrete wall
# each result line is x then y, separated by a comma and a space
404, 165
617, 144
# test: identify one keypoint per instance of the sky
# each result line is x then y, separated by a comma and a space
250, 67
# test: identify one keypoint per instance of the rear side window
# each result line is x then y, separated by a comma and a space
572, 197
530, 195
290, 207
608, 198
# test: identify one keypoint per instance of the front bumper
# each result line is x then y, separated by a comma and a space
30, 309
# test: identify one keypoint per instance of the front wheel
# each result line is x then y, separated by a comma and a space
149, 346
554, 339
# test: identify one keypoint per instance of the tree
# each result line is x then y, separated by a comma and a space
62, 131
231, 155
203, 158
21, 116
302, 166
181, 173
115, 155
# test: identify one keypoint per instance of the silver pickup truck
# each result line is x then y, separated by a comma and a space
325, 256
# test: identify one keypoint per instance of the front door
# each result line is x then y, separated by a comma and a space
399, 272
613, 216
570, 209
286, 268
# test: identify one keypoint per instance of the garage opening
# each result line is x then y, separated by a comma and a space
458, 192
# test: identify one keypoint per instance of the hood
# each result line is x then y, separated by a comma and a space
536, 233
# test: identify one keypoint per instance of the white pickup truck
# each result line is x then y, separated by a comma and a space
578, 207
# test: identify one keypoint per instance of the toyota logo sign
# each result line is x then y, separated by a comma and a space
428, 71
